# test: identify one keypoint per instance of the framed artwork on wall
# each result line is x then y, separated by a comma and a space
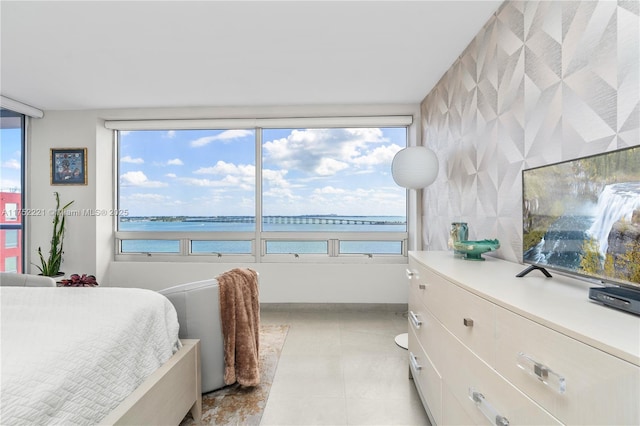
68, 166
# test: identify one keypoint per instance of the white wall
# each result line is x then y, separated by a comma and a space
89, 246
281, 282
61, 130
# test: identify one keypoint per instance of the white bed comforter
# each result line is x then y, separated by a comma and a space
71, 355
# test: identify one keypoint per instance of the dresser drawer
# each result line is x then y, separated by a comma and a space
429, 332
452, 411
469, 317
583, 385
482, 392
426, 378
422, 284
427, 284
421, 323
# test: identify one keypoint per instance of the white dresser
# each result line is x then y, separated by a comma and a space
484, 344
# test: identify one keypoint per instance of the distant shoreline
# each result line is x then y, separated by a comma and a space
235, 218
279, 219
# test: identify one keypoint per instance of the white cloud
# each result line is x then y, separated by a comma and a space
329, 167
326, 152
10, 185
224, 136
206, 171
239, 175
147, 197
200, 182
281, 194
170, 134
138, 178
175, 162
224, 168
359, 201
380, 155
171, 175
275, 177
12, 164
128, 159
226, 182
329, 190
202, 141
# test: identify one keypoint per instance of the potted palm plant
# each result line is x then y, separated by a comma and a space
51, 265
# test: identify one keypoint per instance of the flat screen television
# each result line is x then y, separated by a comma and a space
582, 217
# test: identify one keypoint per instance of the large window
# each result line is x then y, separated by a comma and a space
12, 130
176, 182
270, 193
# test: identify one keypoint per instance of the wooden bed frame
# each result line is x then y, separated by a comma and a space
167, 395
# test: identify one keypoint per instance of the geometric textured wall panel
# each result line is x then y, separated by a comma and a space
542, 82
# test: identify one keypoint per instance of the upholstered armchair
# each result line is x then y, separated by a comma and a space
198, 308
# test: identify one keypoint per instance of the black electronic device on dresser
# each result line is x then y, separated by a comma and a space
621, 298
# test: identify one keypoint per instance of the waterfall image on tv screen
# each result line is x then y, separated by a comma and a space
582, 217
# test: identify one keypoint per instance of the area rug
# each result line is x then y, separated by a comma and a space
239, 405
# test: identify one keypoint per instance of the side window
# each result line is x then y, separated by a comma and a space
12, 130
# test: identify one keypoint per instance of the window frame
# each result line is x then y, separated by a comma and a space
11, 110
259, 238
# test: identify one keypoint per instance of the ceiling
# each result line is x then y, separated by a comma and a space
141, 54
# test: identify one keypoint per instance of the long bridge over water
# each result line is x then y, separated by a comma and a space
300, 220
295, 220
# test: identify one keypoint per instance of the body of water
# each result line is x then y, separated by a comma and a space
271, 224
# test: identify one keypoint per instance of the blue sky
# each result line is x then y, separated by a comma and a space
305, 171
10, 160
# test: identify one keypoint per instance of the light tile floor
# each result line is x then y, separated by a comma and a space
340, 366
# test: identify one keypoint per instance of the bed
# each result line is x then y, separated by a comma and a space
80, 356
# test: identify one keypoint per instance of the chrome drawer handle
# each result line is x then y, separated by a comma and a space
414, 320
468, 322
542, 372
486, 408
410, 273
414, 362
